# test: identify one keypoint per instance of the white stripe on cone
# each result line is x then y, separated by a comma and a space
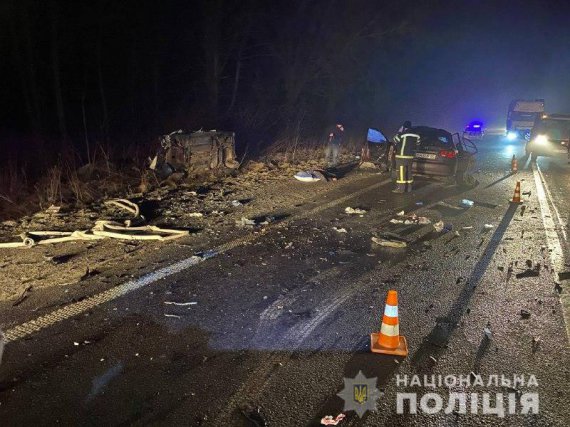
391, 310
390, 330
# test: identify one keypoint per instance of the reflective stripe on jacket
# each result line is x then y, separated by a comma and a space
406, 145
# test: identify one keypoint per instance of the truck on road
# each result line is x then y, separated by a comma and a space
522, 116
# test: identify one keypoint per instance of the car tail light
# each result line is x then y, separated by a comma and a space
448, 154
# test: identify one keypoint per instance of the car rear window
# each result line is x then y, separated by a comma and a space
435, 140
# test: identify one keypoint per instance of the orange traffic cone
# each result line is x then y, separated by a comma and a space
389, 340
517, 195
514, 165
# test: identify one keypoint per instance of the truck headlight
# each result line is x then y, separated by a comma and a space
541, 139
511, 136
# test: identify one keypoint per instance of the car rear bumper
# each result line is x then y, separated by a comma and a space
426, 167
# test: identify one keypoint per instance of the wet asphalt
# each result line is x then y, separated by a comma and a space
280, 321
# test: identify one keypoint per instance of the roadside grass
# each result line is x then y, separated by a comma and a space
123, 170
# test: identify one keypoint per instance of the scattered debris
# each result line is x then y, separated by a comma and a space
419, 203
525, 314
389, 242
180, 303
558, 288
244, 222
176, 316
147, 232
410, 219
236, 203
565, 275
488, 226
340, 230
535, 344
314, 176
102, 229
466, 203
328, 420
441, 226
53, 210
528, 273
468, 227
527, 193
354, 211
196, 214
129, 207
367, 165
267, 220
307, 176
487, 331
25, 293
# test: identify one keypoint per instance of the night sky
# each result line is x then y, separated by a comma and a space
117, 74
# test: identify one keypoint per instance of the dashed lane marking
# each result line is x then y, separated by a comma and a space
74, 309
552, 237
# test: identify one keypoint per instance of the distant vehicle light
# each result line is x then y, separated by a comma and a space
476, 126
541, 139
511, 136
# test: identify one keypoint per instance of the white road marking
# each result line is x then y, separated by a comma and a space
74, 309
552, 238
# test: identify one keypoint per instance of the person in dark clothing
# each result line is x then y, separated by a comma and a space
334, 141
390, 146
405, 146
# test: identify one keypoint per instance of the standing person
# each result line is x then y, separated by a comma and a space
405, 145
334, 141
390, 146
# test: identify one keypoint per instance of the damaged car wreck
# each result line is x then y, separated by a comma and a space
194, 153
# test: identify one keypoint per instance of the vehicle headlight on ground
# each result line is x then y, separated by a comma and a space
541, 139
511, 136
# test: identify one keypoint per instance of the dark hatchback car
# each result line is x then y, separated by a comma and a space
442, 154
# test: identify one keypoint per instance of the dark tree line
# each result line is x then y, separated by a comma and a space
79, 74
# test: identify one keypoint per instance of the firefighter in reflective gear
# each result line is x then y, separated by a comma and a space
405, 145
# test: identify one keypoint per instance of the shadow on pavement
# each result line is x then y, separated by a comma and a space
500, 179
440, 335
483, 347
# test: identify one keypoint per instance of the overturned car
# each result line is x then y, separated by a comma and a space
195, 152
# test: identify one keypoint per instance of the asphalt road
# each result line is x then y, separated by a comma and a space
268, 327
